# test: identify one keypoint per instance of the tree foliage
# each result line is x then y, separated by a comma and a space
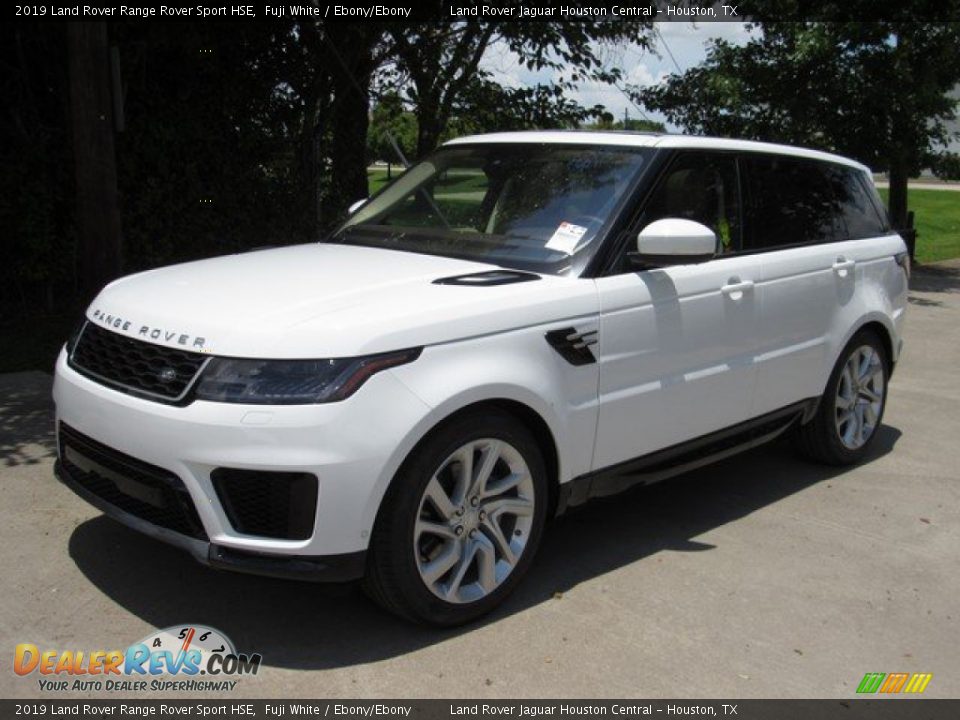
877, 92
391, 122
238, 135
36, 184
440, 65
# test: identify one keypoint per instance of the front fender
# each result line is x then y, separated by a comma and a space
520, 367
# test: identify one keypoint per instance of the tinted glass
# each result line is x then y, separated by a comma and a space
526, 206
701, 187
790, 201
859, 211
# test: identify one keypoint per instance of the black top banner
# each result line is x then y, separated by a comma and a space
505, 11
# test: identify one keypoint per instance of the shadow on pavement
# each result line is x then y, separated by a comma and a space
307, 626
936, 278
26, 419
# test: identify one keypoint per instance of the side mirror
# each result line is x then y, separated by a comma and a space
674, 241
356, 206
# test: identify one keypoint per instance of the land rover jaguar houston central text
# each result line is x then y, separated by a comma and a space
517, 324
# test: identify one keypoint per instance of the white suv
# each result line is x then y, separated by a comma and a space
519, 323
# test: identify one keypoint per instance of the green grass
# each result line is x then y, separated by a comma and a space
377, 177
452, 183
457, 195
937, 219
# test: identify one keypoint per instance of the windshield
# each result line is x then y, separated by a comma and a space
522, 206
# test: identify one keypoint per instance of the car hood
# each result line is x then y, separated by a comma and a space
326, 300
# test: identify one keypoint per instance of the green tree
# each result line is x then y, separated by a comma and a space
206, 166
873, 91
486, 106
391, 122
441, 62
37, 183
606, 122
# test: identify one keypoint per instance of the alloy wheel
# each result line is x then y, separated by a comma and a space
860, 397
474, 521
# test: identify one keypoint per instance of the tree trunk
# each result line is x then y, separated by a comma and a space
429, 127
348, 154
351, 107
898, 193
95, 162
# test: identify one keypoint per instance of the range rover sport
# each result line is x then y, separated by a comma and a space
518, 323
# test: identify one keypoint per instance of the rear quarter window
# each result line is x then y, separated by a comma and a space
860, 214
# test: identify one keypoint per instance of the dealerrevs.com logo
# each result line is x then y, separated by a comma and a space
179, 658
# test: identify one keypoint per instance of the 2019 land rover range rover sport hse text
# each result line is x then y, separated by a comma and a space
519, 323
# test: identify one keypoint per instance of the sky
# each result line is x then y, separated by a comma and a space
686, 41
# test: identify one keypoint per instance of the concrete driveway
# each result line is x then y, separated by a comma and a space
762, 576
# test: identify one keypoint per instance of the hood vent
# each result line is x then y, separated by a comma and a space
488, 278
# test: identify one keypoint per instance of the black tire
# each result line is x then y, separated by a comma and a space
392, 578
819, 439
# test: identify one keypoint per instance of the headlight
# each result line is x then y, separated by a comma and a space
292, 382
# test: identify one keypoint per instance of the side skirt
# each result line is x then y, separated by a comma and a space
685, 456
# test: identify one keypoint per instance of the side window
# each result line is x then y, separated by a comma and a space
790, 201
700, 187
859, 212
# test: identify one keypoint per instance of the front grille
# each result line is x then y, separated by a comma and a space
268, 504
143, 490
134, 366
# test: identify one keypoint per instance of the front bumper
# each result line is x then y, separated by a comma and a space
324, 568
353, 448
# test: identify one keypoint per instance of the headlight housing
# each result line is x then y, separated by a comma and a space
292, 382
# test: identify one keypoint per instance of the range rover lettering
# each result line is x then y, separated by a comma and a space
517, 324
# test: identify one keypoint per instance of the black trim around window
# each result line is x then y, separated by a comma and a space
604, 261
607, 260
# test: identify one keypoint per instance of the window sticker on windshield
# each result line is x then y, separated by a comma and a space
566, 237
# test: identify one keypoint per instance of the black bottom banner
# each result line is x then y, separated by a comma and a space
335, 709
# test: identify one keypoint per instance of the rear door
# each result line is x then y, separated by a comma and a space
794, 221
677, 343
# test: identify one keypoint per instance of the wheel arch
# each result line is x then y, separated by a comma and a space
533, 420
543, 435
883, 332
879, 324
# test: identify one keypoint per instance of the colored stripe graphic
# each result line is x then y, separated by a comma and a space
871, 682
894, 682
918, 682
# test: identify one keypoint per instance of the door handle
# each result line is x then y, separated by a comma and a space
735, 288
843, 266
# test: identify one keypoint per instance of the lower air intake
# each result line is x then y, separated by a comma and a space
279, 505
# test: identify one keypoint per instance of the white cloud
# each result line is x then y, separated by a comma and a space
504, 66
685, 40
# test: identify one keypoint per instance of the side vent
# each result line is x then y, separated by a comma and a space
573, 345
488, 278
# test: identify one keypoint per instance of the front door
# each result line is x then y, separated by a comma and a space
677, 344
